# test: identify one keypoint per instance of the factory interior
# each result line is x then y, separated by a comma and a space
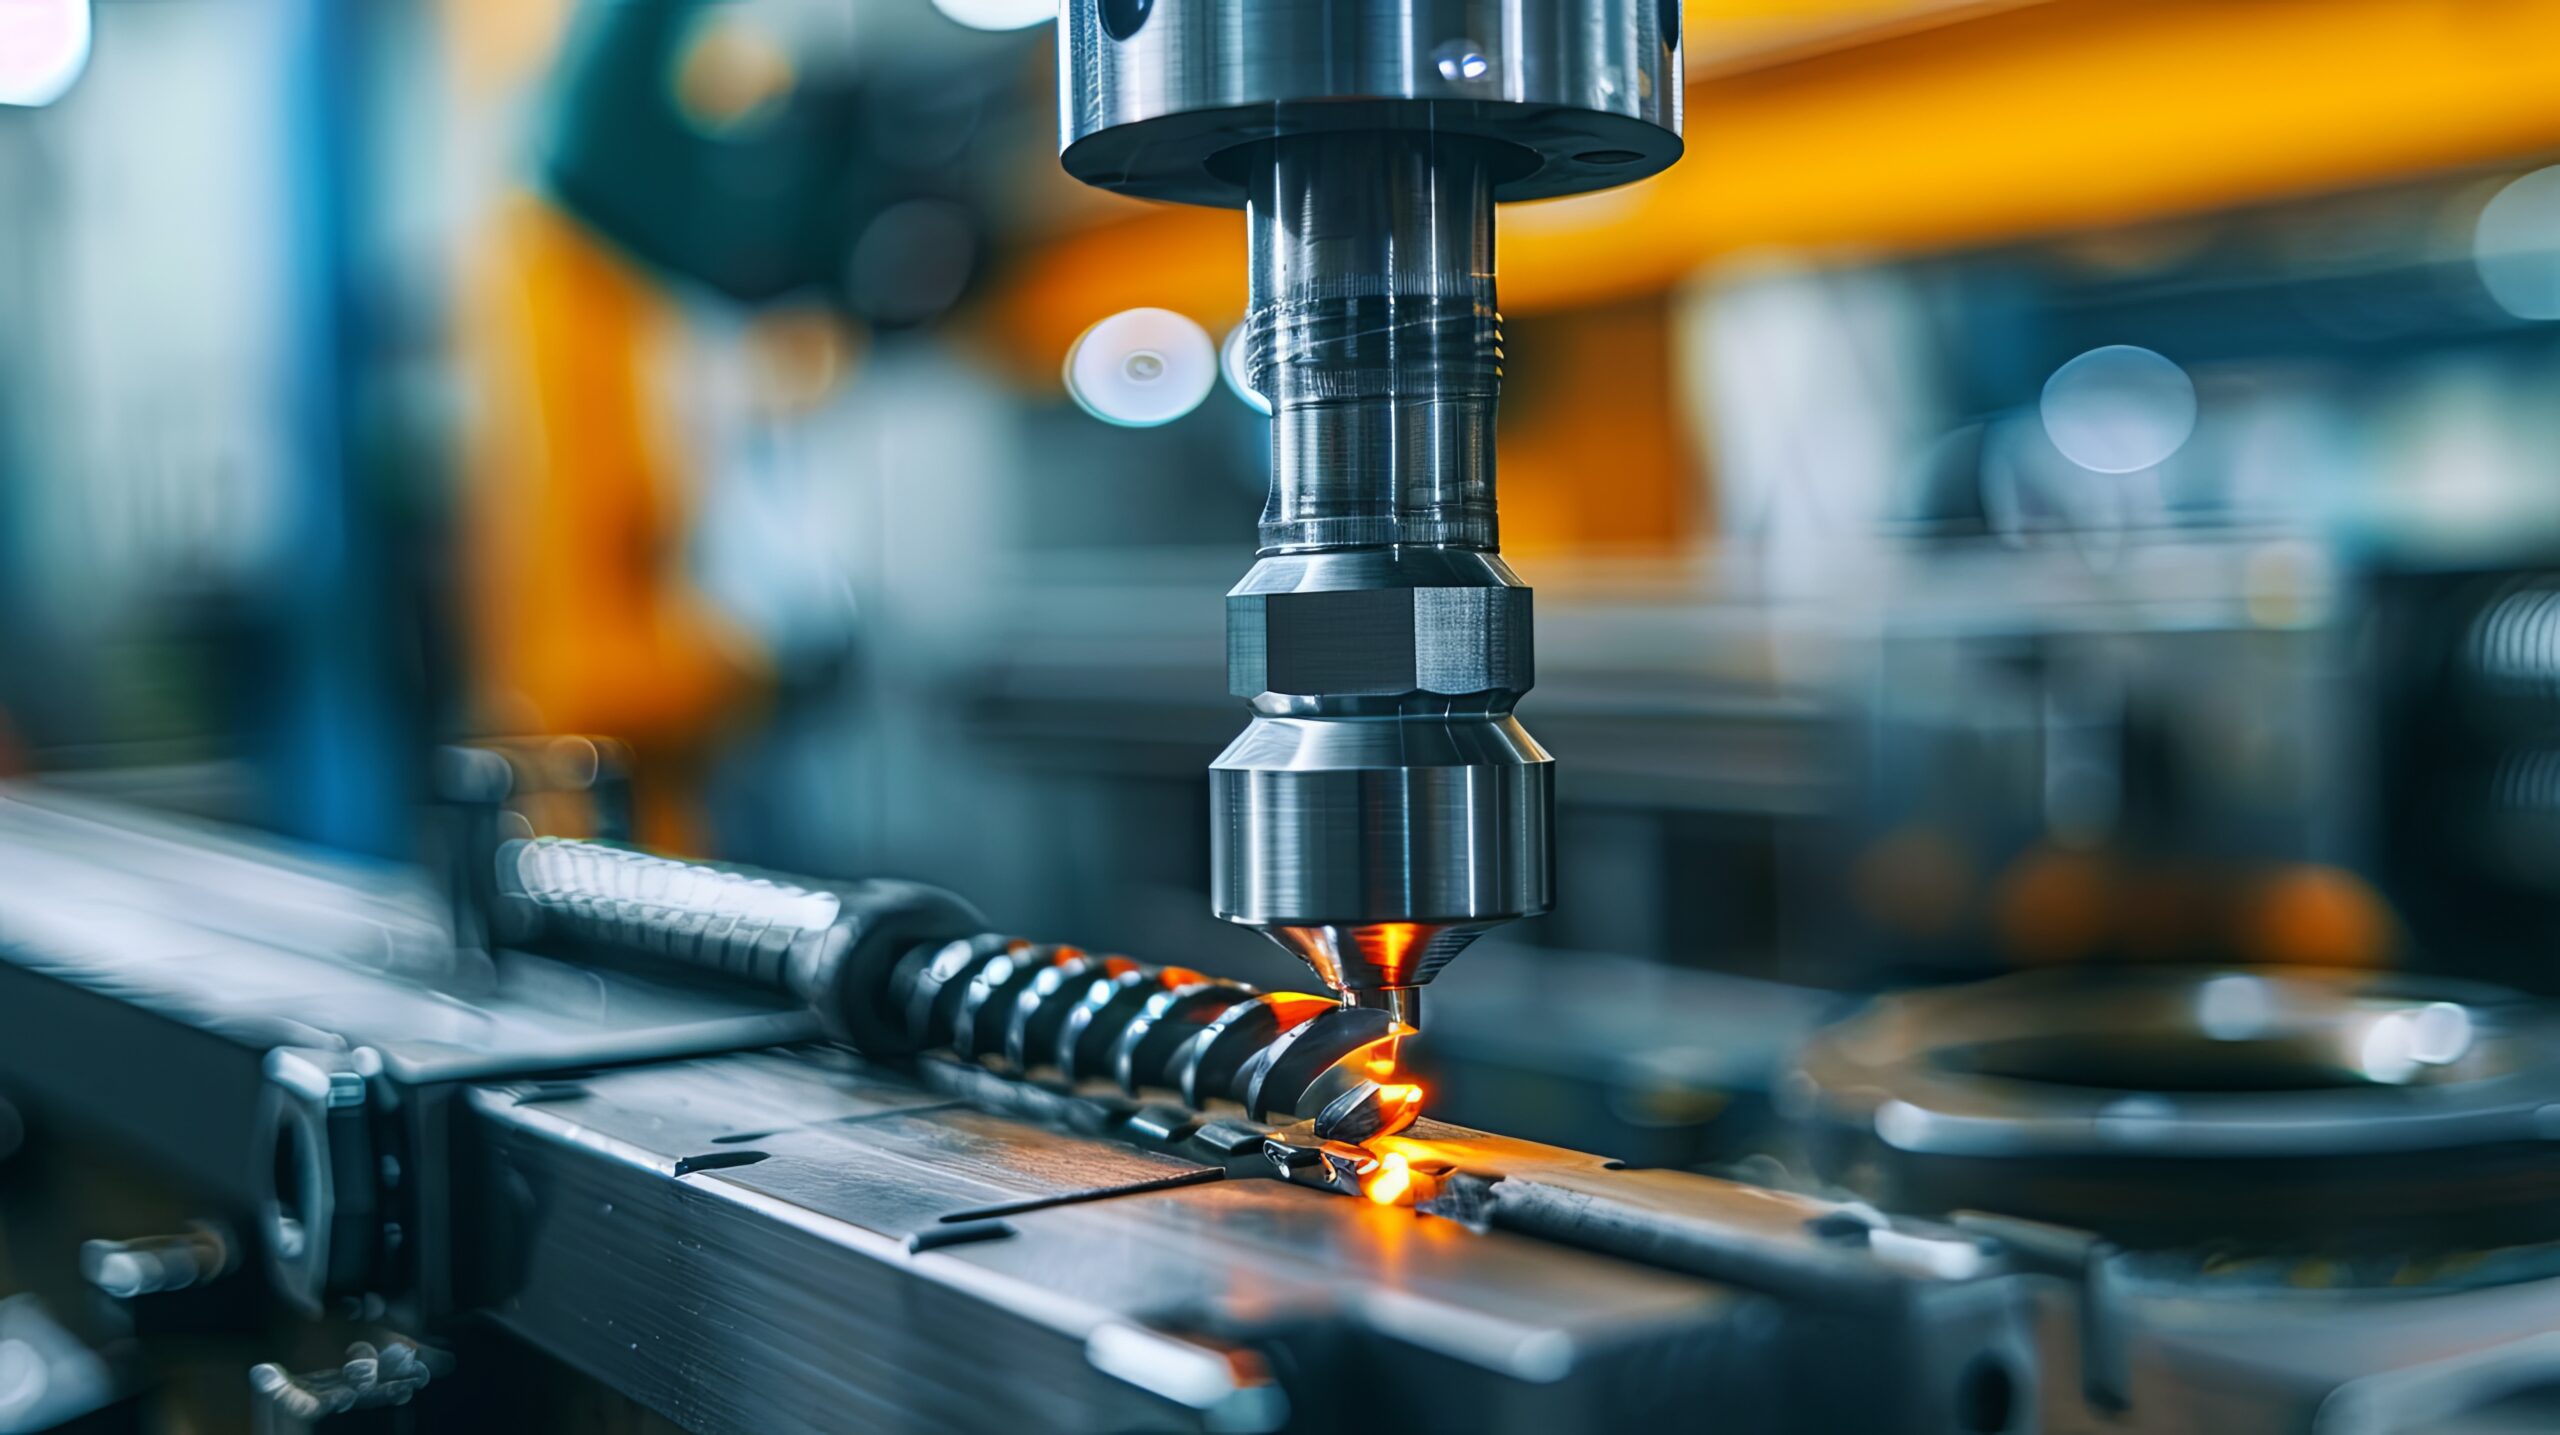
1829, 717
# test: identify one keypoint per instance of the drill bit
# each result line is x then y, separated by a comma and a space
867, 957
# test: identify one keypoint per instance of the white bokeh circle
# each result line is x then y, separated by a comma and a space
1142, 367
2118, 409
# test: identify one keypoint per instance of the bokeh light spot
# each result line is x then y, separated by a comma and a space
2516, 245
44, 45
1142, 367
1461, 60
2119, 409
997, 14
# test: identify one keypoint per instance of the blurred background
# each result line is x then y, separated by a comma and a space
2043, 481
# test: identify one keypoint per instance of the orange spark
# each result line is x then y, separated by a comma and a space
1383, 1065
1391, 1182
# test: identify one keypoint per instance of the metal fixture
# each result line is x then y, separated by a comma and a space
1666, 1290
1384, 806
2259, 1105
321, 1216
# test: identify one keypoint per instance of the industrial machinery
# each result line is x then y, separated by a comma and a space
295, 1142
1383, 807
551, 1132
615, 1138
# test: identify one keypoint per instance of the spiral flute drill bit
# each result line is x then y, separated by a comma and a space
896, 968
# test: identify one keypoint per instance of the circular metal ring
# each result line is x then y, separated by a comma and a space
2169, 1107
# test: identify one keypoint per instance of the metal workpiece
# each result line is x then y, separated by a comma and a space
1337, 1071
1041, 1010
793, 1237
1029, 1010
1156, 98
1937, 1312
1090, 1040
984, 1022
835, 946
863, 1256
1143, 1058
1211, 1063
1060, 1015
808, 1289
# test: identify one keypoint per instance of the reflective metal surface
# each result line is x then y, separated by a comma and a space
886, 968
1383, 807
1430, 820
2158, 1106
869, 1255
790, 1238
1375, 336
1581, 94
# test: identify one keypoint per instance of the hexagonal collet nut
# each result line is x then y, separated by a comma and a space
1449, 639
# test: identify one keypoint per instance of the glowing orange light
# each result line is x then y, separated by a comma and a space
1400, 1095
1390, 1182
1295, 1007
1383, 1065
1386, 943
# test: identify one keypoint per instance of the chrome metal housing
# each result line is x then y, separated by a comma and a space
1579, 94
